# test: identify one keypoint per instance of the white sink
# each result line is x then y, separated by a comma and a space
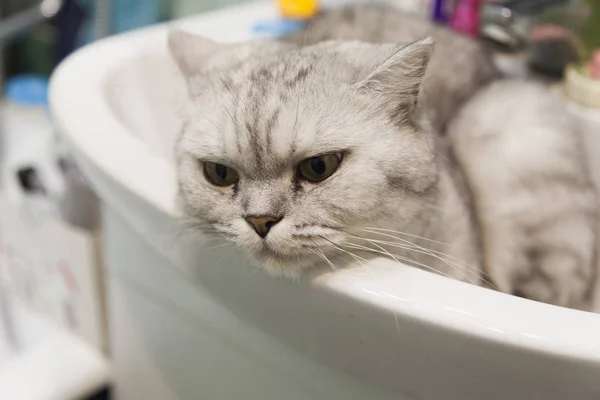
188, 323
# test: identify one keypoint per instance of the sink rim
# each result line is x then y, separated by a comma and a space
443, 303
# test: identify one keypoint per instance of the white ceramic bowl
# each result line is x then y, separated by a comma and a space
190, 322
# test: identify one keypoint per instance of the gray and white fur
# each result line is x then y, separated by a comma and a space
263, 111
536, 205
262, 108
459, 67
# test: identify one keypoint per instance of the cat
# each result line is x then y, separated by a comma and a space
296, 154
459, 67
523, 158
301, 154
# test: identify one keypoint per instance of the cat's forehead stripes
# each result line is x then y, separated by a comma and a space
267, 100
274, 110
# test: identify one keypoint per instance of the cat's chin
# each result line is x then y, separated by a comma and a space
282, 265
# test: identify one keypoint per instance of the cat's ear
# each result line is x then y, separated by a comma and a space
190, 51
397, 80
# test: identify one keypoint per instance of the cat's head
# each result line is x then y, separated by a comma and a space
288, 152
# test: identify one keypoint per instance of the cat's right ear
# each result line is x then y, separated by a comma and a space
396, 82
190, 51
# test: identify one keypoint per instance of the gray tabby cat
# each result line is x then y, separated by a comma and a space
302, 154
296, 154
459, 67
520, 250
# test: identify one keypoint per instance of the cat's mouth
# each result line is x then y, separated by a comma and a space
268, 251
290, 263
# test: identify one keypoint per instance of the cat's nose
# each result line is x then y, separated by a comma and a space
263, 224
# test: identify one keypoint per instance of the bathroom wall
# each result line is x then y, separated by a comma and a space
182, 8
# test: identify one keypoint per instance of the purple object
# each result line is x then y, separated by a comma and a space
466, 17
441, 10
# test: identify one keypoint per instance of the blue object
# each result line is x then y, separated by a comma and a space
278, 27
133, 14
31, 90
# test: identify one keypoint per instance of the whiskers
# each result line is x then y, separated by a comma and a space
382, 242
357, 258
191, 228
460, 267
322, 256
328, 243
194, 228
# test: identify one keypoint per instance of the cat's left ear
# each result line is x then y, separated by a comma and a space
397, 81
190, 51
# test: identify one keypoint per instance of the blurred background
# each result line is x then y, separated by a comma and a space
51, 282
51, 285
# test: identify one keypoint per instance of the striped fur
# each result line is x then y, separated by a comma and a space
502, 204
459, 67
263, 111
523, 156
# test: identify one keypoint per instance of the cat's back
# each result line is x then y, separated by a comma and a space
368, 23
522, 154
379, 23
513, 126
531, 115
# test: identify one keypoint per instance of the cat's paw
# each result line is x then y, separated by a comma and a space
556, 278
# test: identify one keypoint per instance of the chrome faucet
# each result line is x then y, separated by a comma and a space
507, 22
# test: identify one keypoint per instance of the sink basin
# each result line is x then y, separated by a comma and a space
189, 319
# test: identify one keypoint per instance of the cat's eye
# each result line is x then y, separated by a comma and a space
219, 174
319, 168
